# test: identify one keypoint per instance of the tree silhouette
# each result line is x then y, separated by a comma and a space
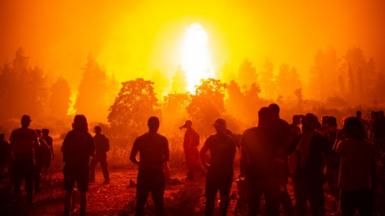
247, 74
207, 104
135, 102
59, 101
22, 89
92, 92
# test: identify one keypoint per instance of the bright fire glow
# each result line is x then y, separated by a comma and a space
195, 56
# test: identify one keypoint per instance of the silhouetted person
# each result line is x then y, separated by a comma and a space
220, 167
23, 146
102, 146
357, 169
282, 140
308, 179
77, 148
5, 156
258, 164
190, 147
330, 132
43, 158
379, 132
295, 129
49, 140
154, 154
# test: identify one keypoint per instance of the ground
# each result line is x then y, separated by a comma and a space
116, 198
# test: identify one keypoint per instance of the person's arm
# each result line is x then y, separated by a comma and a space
52, 151
134, 152
91, 145
244, 161
64, 147
167, 152
203, 152
107, 144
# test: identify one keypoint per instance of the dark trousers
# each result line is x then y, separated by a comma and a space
352, 200
150, 181
23, 169
103, 163
307, 189
271, 193
214, 183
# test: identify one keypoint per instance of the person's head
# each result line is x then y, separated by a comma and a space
45, 131
381, 114
274, 110
2, 137
220, 125
359, 114
310, 122
80, 123
331, 122
38, 132
25, 121
296, 119
153, 124
98, 129
187, 125
354, 128
264, 117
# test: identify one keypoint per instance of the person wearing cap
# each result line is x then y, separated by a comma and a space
219, 177
154, 155
190, 147
23, 145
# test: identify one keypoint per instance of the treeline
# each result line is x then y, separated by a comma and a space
335, 82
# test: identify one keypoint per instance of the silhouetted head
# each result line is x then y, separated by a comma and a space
264, 117
354, 128
153, 124
381, 114
187, 125
220, 125
296, 119
45, 131
358, 114
310, 122
80, 123
25, 121
97, 129
38, 132
2, 137
274, 110
331, 121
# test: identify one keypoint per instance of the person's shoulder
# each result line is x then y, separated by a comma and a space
162, 138
250, 131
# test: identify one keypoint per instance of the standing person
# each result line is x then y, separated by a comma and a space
257, 158
220, 167
154, 154
23, 147
5, 156
49, 141
308, 178
190, 147
43, 158
77, 148
102, 146
282, 140
357, 169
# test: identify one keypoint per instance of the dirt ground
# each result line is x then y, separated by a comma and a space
116, 198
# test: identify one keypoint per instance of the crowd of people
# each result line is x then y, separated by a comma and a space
316, 156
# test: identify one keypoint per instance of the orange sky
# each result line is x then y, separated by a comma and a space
133, 38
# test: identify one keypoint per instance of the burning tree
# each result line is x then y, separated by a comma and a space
135, 102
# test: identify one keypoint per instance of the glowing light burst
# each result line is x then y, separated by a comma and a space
195, 56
